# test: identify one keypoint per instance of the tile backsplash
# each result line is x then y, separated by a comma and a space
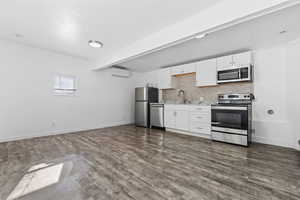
193, 93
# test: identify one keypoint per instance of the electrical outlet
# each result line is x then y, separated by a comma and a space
253, 131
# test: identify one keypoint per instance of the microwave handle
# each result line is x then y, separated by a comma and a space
240, 76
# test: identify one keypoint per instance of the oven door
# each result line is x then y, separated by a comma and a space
231, 119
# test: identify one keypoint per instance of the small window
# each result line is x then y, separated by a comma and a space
64, 85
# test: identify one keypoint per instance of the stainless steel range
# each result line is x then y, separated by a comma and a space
231, 118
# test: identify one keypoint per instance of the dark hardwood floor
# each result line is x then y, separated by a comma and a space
134, 163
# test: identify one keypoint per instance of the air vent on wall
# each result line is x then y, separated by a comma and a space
121, 72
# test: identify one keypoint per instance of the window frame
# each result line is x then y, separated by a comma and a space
60, 91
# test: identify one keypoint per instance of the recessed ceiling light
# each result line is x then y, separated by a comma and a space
200, 36
95, 44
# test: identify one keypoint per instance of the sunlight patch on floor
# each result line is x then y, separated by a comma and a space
37, 178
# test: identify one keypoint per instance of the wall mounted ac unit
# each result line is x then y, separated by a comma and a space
121, 72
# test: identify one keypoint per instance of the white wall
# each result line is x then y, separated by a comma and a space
147, 78
276, 87
270, 92
28, 108
293, 88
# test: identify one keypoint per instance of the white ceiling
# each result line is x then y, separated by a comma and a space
258, 33
65, 26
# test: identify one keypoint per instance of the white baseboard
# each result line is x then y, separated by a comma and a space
189, 133
264, 140
274, 141
59, 132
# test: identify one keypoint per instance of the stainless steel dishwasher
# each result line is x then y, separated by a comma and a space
157, 115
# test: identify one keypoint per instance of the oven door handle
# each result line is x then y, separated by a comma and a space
228, 108
240, 74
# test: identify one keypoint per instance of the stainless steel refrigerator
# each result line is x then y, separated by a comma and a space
143, 97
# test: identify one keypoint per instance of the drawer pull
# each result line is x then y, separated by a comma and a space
199, 117
199, 128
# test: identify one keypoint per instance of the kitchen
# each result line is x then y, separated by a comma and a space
187, 113
149, 100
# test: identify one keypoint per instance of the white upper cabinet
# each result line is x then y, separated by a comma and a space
206, 73
184, 69
224, 62
235, 60
177, 70
165, 79
242, 59
189, 68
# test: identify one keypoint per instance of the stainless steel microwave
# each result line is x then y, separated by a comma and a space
235, 74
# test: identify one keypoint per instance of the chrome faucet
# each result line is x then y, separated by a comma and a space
180, 93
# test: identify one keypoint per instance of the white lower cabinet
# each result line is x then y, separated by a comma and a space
177, 117
200, 119
198, 127
192, 119
170, 118
182, 120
